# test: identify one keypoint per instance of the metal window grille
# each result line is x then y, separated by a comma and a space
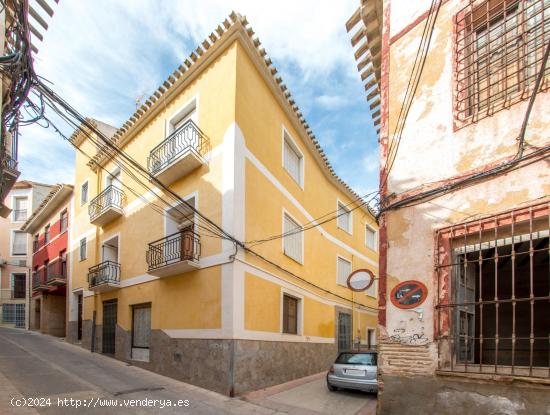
292, 160
14, 314
290, 314
343, 220
493, 294
499, 51
343, 270
292, 243
19, 286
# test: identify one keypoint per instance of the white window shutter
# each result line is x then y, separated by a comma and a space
343, 270
293, 162
293, 242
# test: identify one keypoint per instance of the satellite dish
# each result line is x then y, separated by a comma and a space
360, 280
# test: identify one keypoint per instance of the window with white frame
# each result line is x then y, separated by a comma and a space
343, 220
343, 269
370, 237
293, 159
84, 193
19, 243
83, 249
292, 239
20, 209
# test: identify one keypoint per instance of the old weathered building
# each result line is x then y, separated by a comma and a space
459, 90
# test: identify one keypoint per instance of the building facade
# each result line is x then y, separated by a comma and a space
222, 261
48, 227
15, 251
12, 17
465, 186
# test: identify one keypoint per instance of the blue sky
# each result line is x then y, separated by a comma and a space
102, 55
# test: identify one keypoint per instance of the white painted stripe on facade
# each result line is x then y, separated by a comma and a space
244, 335
262, 169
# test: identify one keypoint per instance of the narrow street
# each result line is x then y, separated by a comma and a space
43, 367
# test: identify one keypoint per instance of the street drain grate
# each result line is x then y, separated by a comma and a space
127, 392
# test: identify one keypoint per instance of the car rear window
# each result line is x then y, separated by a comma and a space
368, 359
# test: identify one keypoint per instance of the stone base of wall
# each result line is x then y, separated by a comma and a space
87, 335
447, 395
230, 367
72, 332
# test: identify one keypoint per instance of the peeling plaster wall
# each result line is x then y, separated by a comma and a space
431, 150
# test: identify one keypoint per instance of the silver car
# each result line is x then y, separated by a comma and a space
354, 370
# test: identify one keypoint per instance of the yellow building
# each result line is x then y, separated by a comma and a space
178, 253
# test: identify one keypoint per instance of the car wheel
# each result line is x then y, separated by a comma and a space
331, 387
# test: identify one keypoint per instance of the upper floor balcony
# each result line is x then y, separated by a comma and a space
56, 273
180, 153
106, 206
39, 280
104, 276
174, 254
9, 174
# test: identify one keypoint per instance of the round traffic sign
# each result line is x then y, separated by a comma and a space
408, 294
360, 280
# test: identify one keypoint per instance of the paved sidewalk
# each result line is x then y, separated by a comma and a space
310, 396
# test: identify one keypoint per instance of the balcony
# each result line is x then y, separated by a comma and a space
9, 174
57, 273
175, 254
106, 206
39, 280
104, 276
180, 153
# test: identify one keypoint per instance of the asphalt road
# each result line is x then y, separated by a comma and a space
48, 372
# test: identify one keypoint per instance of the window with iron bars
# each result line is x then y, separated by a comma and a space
500, 47
493, 278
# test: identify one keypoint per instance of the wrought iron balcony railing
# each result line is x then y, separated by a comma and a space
106, 272
38, 280
8, 163
172, 249
57, 270
110, 198
185, 138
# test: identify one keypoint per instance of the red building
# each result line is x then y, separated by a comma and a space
49, 227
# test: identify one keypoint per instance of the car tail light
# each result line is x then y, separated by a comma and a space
331, 370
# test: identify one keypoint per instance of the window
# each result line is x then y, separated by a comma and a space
47, 270
63, 259
343, 269
370, 237
35, 243
493, 293
47, 234
20, 209
500, 48
293, 239
19, 241
83, 193
343, 220
372, 291
19, 284
290, 314
141, 326
293, 160
63, 221
83, 248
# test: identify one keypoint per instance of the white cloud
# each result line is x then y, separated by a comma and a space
102, 55
371, 161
